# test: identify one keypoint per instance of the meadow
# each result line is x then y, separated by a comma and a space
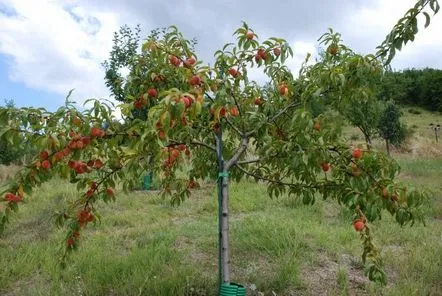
145, 246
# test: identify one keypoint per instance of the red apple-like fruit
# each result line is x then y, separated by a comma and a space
358, 225
250, 35
152, 92
357, 153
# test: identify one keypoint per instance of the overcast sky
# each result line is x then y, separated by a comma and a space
48, 47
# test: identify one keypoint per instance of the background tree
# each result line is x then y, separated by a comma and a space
390, 127
213, 122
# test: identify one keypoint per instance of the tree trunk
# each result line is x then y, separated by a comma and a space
388, 146
368, 141
223, 211
225, 259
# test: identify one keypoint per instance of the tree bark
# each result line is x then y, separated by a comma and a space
225, 259
368, 141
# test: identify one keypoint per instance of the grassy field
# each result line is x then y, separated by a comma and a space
143, 246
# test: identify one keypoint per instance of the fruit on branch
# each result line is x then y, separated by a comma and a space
45, 164
44, 155
152, 92
109, 192
161, 134
325, 166
222, 112
384, 193
250, 35
98, 164
357, 153
195, 80
187, 102
182, 147
233, 72
59, 155
234, 111
174, 60
258, 58
76, 121
84, 217
358, 225
189, 62
12, 198
283, 90
97, 132
277, 51
317, 126
262, 53
258, 102
333, 50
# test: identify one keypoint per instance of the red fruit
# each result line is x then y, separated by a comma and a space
283, 90
333, 50
98, 164
158, 125
80, 145
182, 147
195, 80
187, 152
394, 197
258, 58
86, 140
358, 225
59, 155
277, 51
317, 126
76, 121
186, 101
258, 102
70, 242
9, 197
72, 134
175, 153
325, 166
72, 164
152, 92
90, 163
384, 193
109, 192
222, 112
96, 132
234, 111
262, 53
44, 155
190, 62
66, 151
138, 104
250, 35
46, 164
357, 153
89, 193
94, 185
174, 60
233, 72
161, 134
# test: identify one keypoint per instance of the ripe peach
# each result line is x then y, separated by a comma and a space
358, 225
250, 35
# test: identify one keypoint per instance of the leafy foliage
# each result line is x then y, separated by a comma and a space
420, 87
186, 121
390, 127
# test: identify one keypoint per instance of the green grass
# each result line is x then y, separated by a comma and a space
143, 246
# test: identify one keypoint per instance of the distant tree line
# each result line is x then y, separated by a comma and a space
418, 87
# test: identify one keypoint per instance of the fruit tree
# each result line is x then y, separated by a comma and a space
214, 122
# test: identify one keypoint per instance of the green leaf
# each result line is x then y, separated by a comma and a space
427, 19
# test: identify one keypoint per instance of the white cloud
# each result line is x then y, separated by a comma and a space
56, 50
56, 45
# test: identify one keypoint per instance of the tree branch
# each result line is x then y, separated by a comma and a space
292, 105
232, 161
248, 161
236, 129
318, 185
